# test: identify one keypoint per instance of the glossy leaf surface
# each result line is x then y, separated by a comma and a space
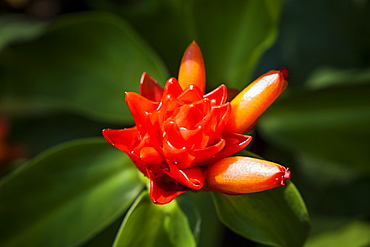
276, 217
67, 194
147, 225
83, 63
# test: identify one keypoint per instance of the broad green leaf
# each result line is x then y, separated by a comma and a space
233, 35
355, 233
84, 63
31, 130
276, 217
18, 28
147, 224
330, 125
211, 232
192, 214
151, 19
106, 237
66, 195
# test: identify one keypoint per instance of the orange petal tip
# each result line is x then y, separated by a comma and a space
192, 69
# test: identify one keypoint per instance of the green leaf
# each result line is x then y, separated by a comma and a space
355, 233
106, 237
330, 125
327, 76
276, 217
211, 233
18, 28
233, 35
84, 63
151, 19
147, 224
66, 195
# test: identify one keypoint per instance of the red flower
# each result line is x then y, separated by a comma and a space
183, 136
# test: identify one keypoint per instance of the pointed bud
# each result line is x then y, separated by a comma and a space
149, 88
249, 104
239, 175
192, 68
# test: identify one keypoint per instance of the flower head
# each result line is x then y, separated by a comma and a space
183, 137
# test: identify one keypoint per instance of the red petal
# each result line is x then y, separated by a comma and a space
188, 117
194, 138
172, 135
221, 113
126, 140
153, 128
203, 155
234, 143
204, 105
140, 107
150, 155
123, 139
192, 177
178, 156
149, 88
172, 88
167, 108
208, 124
190, 94
217, 96
163, 189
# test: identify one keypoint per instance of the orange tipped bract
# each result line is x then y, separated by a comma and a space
192, 70
249, 104
239, 175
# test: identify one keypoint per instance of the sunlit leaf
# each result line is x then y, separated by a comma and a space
355, 233
276, 217
147, 224
84, 63
67, 194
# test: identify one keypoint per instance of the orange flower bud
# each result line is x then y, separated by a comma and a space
249, 104
239, 175
192, 70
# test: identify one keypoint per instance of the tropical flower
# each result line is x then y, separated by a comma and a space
183, 137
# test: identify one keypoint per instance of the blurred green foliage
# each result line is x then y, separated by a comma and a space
63, 77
